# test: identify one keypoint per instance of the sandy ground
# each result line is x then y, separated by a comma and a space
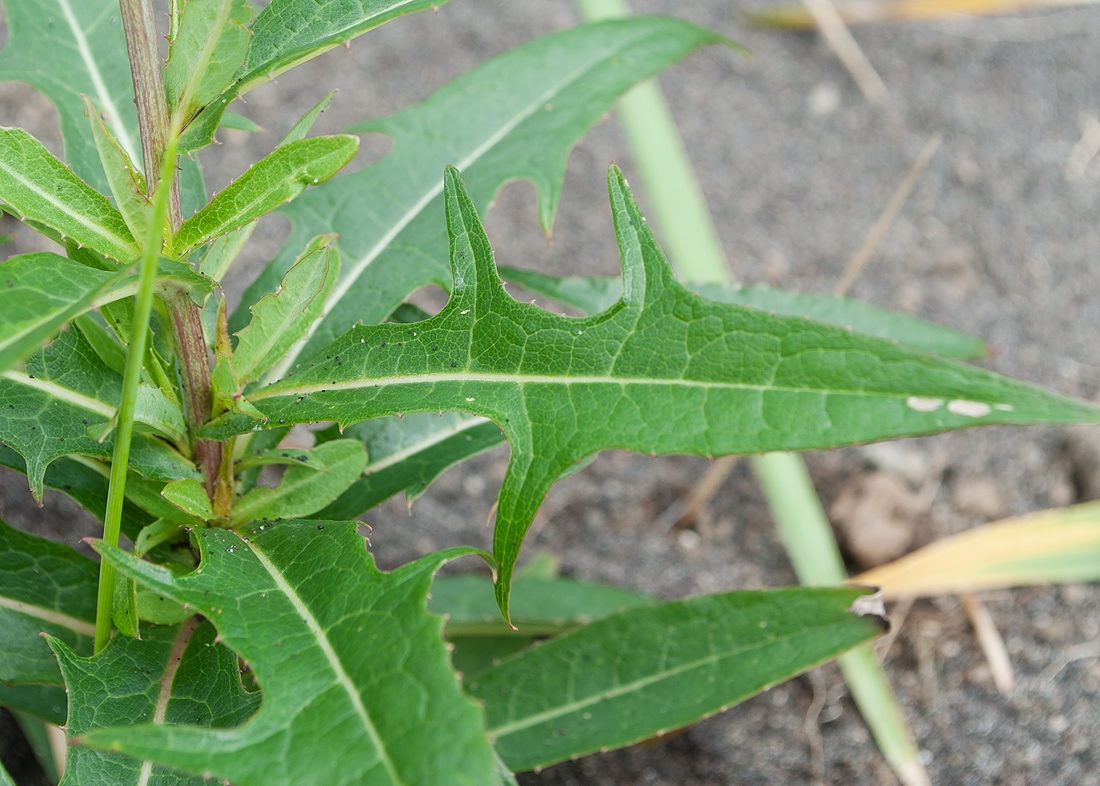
996, 240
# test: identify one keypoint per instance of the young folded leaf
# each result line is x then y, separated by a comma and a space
289, 32
42, 291
209, 47
662, 371
281, 319
37, 186
303, 490
270, 182
127, 183
648, 670
173, 675
521, 114
357, 684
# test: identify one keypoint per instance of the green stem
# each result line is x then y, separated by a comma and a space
131, 377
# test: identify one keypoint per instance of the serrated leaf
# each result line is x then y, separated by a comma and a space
516, 116
647, 670
281, 319
37, 186
40, 292
592, 295
173, 675
215, 25
126, 181
47, 409
407, 454
662, 371
289, 32
1047, 547
68, 47
189, 496
303, 490
278, 178
44, 587
356, 682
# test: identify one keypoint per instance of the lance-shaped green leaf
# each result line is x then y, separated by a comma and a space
273, 180
208, 49
189, 496
289, 32
173, 675
303, 490
516, 116
286, 456
126, 181
44, 587
591, 295
407, 454
356, 681
649, 670
65, 391
662, 371
39, 293
282, 318
37, 186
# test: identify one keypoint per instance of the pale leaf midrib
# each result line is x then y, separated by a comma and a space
61, 393
282, 389
49, 615
639, 684
333, 659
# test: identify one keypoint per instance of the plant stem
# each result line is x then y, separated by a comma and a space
158, 133
131, 377
145, 66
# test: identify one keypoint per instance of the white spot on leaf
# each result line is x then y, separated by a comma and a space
922, 404
972, 409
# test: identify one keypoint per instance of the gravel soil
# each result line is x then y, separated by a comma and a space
999, 238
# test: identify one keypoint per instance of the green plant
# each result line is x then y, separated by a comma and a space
347, 677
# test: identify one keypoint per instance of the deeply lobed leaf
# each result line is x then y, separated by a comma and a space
357, 684
662, 371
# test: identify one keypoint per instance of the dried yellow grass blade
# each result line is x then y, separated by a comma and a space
866, 11
1054, 546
